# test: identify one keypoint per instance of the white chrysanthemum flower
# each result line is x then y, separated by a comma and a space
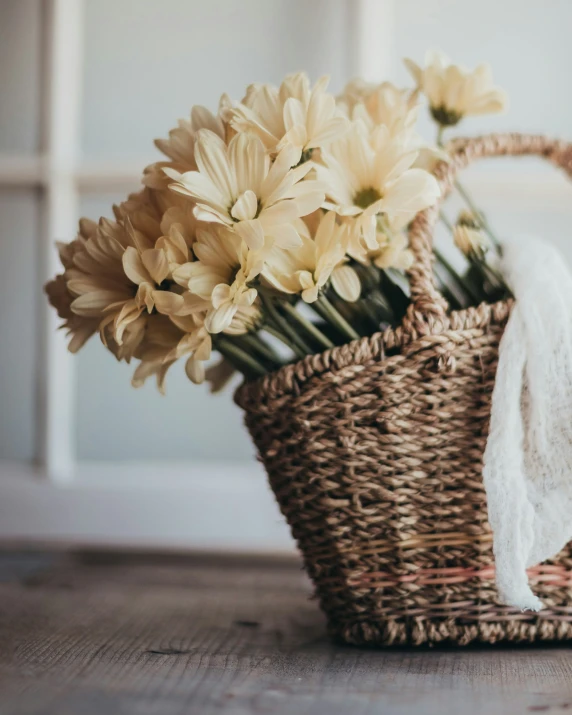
369, 173
239, 187
168, 339
471, 241
397, 109
179, 147
151, 260
394, 254
95, 293
101, 292
320, 258
221, 275
469, 236
117, 272
293, 115
376, 104
391, 250
78, 328
455, 92
184, 336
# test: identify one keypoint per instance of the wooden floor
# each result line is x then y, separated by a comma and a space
90, 634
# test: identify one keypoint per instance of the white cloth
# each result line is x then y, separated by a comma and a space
528, 458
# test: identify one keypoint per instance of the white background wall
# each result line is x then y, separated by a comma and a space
145, 63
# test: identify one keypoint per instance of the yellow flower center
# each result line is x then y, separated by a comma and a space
445, 117
366, 197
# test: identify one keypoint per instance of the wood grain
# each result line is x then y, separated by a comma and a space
92, 634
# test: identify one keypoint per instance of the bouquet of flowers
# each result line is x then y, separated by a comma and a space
277, 228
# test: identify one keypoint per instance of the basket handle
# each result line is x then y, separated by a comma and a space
427, 303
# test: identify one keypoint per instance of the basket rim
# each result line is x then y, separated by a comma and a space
453, 326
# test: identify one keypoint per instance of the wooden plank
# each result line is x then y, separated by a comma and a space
173, 635
21, 565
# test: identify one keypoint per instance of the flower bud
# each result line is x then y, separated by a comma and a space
470, 240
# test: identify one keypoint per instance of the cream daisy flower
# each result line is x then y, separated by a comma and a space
78, 329
179, 147
96, 280
151, 260
375, 104
469, 237
167, 340
320, 258
394, 254
369, 173
293, 115
221, 275
237, 186
246, 319
196, 345
397, 109
116, 271
455, 92
391, 250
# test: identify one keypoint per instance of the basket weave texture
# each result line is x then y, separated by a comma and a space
374, 452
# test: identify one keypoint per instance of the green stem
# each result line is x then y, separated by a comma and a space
490, 274
297, 344
256, 344
328, 311
271, 330
352, 313
486, 271
374, 274
239, 358
455, 276
370, 312
378, 298
307, 325
449, 268
467, 198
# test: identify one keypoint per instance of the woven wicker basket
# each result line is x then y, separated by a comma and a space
374, 452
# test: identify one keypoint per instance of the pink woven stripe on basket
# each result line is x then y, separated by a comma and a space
555, 575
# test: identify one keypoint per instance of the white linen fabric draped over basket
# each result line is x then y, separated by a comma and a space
528, 458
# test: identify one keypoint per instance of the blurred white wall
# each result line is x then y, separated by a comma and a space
20, 33
145, 64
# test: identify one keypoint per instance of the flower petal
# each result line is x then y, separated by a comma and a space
213, 161
94, 304
201, 188
155, 261
346, 283
220, 318
252, 233
220, 295
285, 236
249, 161
294, 114
245, 207
195, 371
134, 267
167, 302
